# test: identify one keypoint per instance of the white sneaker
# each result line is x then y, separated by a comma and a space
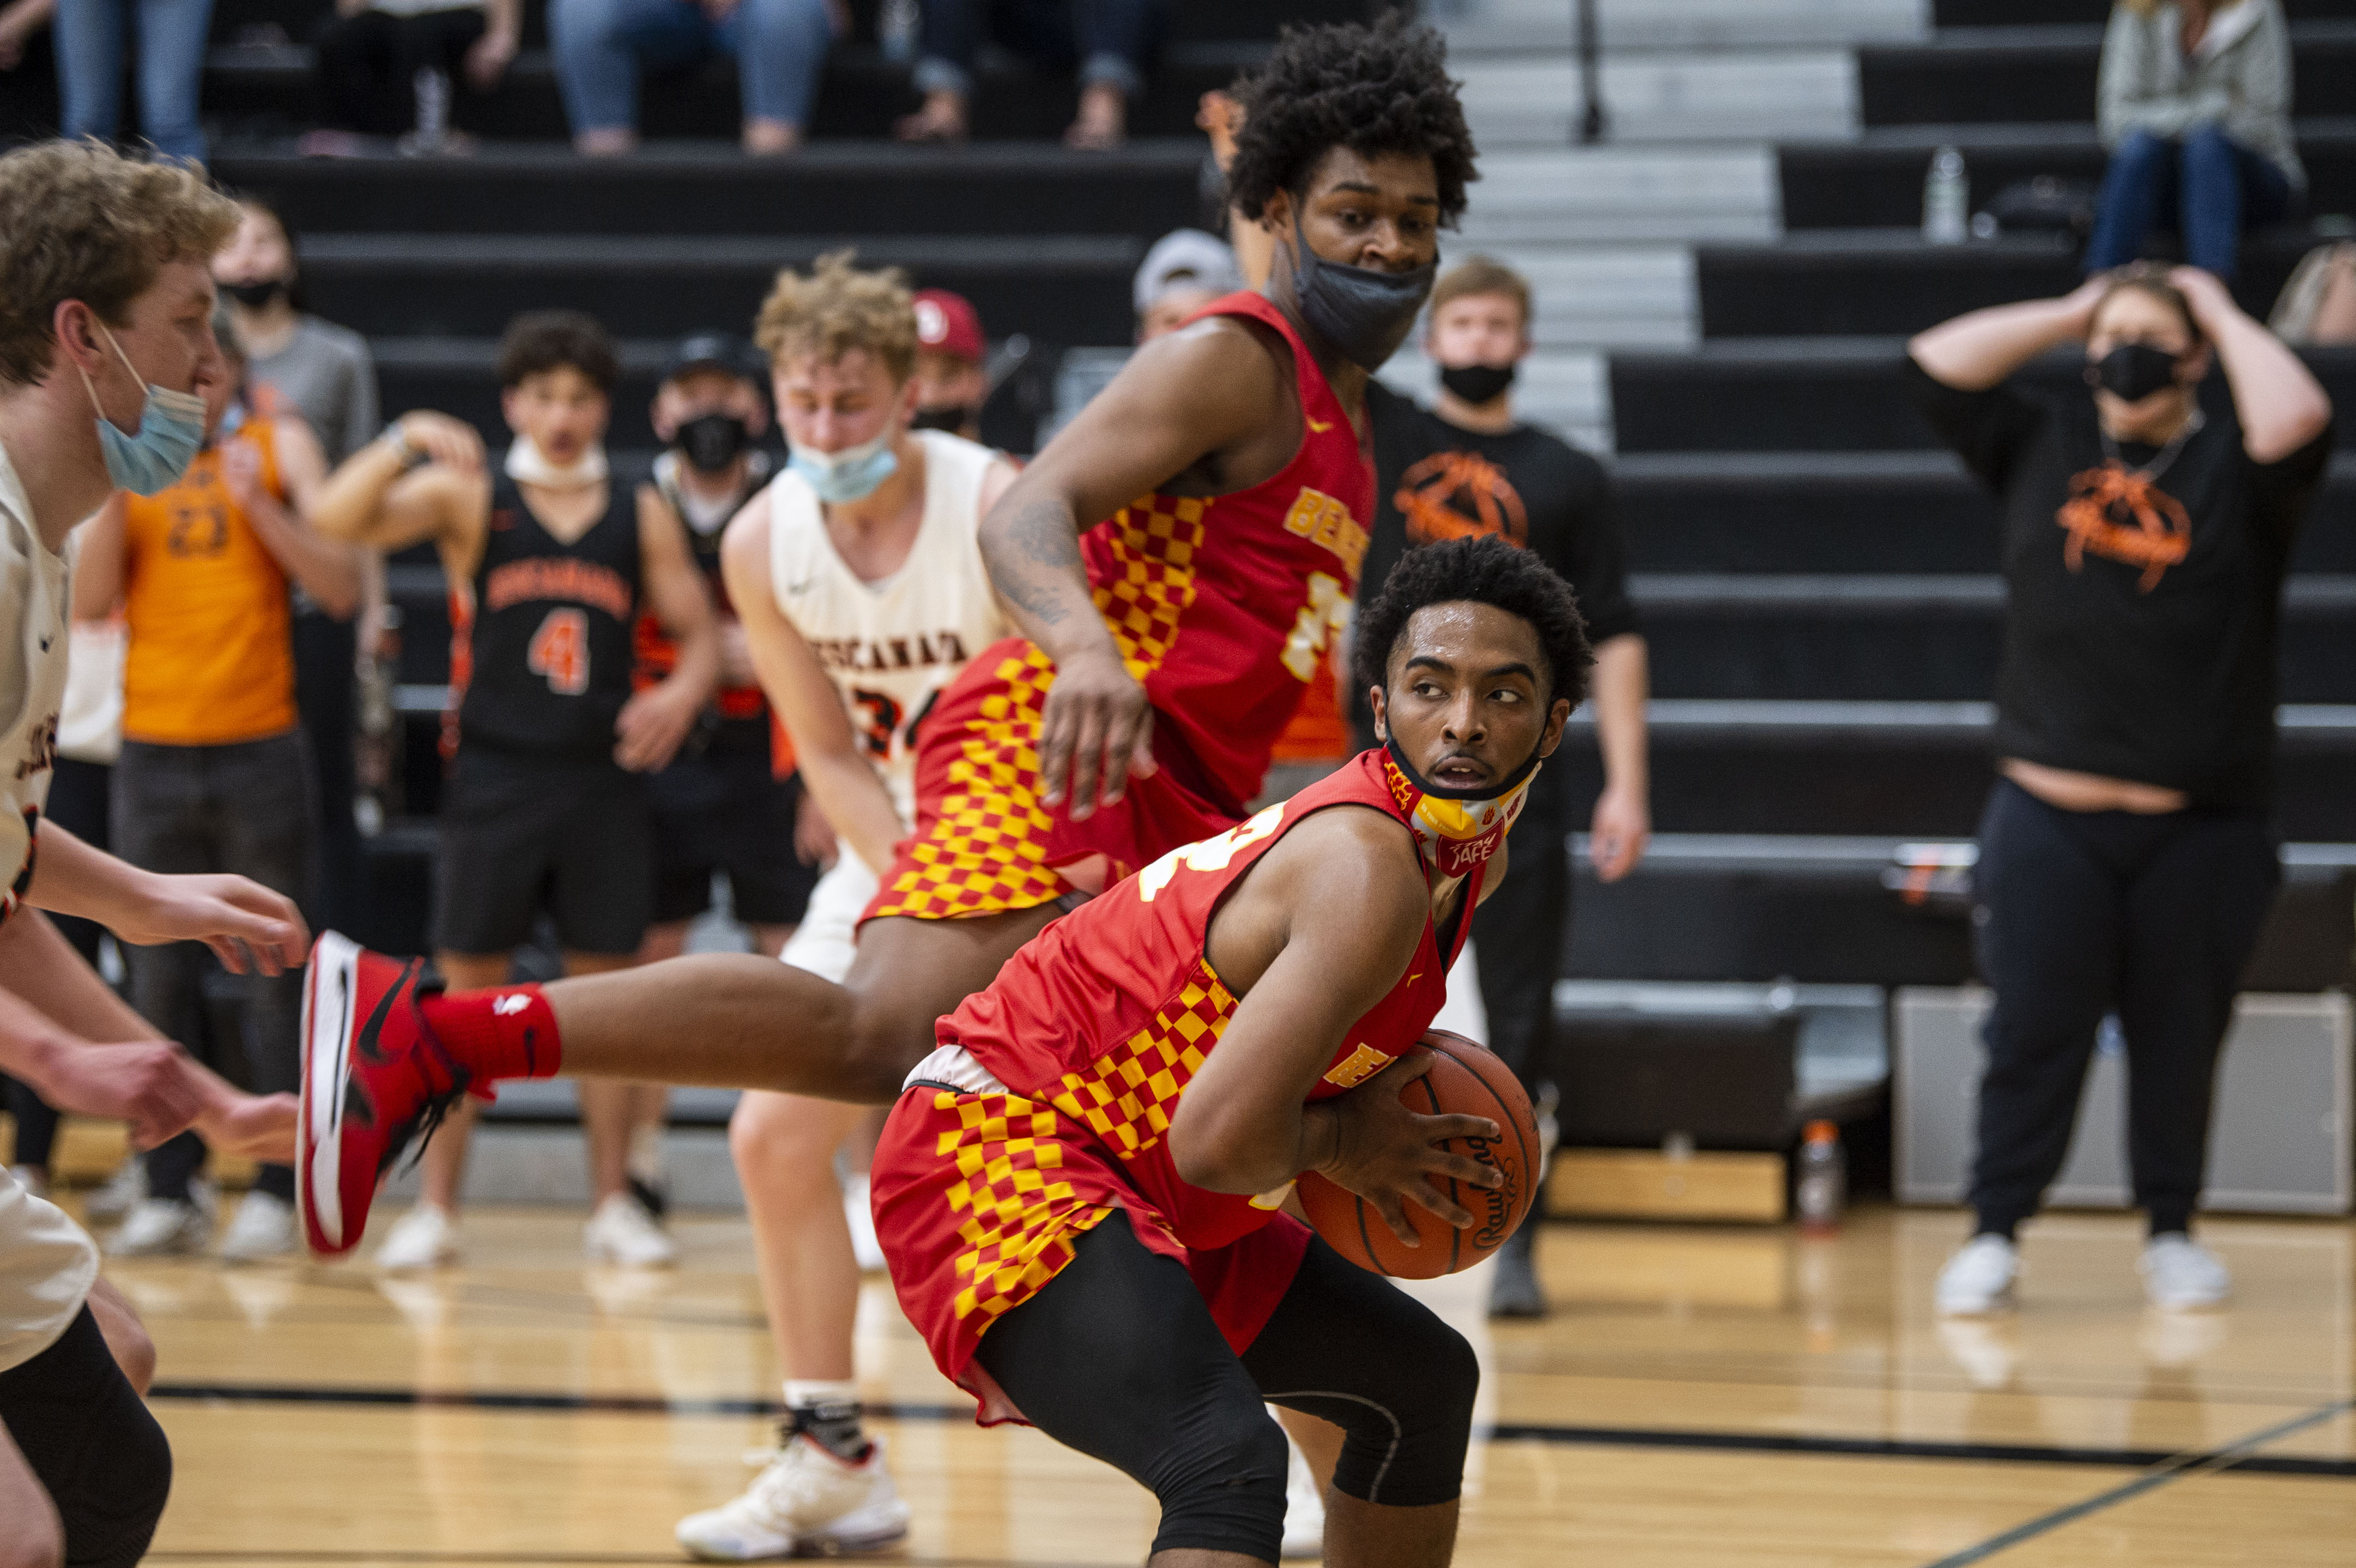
2180, 1275
1980, 1278
426, 1238
160, 1227
120, 1194
859, 1209
622, 1231
805, 1502
265, 1228
1304, 1508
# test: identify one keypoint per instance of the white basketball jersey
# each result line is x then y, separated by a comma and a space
32, 679
889, 647
46, 1262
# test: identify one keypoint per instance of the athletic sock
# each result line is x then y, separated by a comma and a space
829, 1411
509, 1032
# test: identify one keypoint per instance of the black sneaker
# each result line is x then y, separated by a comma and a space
1514, 1290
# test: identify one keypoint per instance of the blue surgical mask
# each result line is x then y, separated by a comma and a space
171, 430
849, 475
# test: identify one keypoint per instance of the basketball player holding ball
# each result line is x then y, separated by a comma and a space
1079, 1191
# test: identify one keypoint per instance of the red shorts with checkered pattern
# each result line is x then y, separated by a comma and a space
986, 844
979, 1197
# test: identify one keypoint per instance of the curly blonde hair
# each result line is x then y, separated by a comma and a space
77, 221
837, 308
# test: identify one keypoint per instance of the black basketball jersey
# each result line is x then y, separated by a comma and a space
545, 659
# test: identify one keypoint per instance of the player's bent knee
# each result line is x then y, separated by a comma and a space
1406, 1439
111, 1508
1221, 1483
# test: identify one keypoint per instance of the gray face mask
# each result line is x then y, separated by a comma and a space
1363, 312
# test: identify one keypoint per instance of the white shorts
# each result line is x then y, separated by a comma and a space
826, 939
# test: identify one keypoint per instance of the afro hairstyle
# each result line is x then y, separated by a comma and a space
1481, 570
1374, 89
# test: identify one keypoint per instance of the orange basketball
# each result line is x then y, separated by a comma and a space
1465, 1081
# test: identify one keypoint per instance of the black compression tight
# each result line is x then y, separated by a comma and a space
1119, 1358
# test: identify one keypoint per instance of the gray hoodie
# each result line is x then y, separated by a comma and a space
2238, 79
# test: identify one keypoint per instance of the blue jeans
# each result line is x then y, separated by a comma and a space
2206, 187
1111, 41
171, 62
602, 45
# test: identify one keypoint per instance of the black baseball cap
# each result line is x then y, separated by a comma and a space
718, 351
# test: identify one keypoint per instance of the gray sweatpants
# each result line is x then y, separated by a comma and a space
250, 808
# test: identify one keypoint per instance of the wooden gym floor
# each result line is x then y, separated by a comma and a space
1701, 1397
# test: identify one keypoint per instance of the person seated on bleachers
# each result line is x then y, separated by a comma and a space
369, 55
2195, 108
1111, 42
780, 46
2318, 305
90, 40
2126, 856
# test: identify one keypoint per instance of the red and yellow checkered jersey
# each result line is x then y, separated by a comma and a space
1224, 606
1108, 1014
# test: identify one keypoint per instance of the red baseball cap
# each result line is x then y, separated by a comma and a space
948, 324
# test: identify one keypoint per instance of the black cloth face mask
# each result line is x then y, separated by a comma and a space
712, 442
256, 294
2133, 371
1478, 384
949, 416
1363, 312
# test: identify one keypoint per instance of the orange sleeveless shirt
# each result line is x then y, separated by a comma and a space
210, 660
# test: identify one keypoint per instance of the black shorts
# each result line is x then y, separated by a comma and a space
523, 834
92, 1444
722, 810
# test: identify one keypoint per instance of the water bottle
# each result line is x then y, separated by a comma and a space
433, 133
1822, 1185
896, 28
1946, 198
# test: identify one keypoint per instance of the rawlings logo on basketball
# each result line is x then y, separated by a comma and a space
1498, 1222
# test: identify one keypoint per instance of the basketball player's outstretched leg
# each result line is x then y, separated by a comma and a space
386, 1054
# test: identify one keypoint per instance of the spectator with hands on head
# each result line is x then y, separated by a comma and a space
2127, 855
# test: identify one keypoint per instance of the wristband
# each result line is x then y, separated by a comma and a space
403, 447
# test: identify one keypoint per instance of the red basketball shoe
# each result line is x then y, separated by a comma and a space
374, 1078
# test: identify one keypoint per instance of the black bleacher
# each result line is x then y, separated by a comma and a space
1818, 577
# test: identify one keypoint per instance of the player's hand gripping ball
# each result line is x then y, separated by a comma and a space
1465, 1080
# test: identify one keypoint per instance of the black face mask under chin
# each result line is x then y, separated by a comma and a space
2133, 372
1478, 384
712, 442
951, 417
1363, 312
256, 294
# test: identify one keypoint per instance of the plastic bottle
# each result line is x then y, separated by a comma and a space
1822, 1189
1946, 199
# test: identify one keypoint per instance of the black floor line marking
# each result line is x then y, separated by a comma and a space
1581, 1436
2240, 1455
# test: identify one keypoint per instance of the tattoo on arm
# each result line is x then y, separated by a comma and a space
1042, 535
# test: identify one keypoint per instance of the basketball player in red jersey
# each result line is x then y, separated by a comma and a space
1170, 647
1185, 1046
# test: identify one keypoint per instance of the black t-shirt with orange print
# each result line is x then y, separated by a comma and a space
2141, 635
1434, 481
